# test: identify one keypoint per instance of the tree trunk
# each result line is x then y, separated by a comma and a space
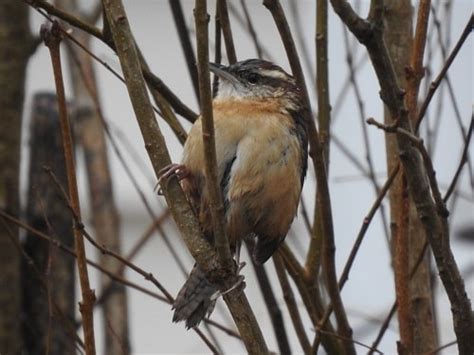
15, 49
49, 286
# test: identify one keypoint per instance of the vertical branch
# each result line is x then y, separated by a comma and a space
251, 29
422, 324
324, 201
226, 31
402, 285
237, 303
322, 75
399, 44
215, 196
106, 220
271, 303
185, 41
291, 304
313, 259
52, 39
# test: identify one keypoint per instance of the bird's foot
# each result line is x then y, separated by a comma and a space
178, 171
238, 284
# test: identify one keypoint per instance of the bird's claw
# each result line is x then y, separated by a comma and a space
172, 170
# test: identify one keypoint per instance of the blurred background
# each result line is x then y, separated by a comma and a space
369, 292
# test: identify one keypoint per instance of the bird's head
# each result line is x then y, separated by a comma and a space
255, 78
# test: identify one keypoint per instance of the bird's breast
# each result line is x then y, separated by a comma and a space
258, 139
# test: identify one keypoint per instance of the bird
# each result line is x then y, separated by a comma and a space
261, 141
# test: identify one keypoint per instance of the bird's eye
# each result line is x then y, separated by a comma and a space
252, 78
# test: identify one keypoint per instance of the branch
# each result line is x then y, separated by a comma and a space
235, 300
52, 38
151, 79
226, 30
436, 83
358, 242
147, 275
317, 154
418, 143
435, 224
464, 159
313, 258
251, 29
185, 41
291, 304
66, 16
273, 308
154, 141
215, 195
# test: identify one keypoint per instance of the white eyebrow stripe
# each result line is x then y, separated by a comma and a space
273, 74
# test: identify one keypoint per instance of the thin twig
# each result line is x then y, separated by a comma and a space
271, 303
251, 29
354, 341
393, 309
185, 40
44, 282
114, 276
69, 18
106, 251
355, 248
226, 31
442, 347
436, 83
418, 143
362, 115
91, 90
291, 304
311, 297
464, 159
152, 79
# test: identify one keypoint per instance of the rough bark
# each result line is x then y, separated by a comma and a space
44, 326
398, 38
398, 24
420, 330
15, 48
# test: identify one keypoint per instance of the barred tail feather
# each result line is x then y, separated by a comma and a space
194, 300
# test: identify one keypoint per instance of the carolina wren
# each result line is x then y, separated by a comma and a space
261, 147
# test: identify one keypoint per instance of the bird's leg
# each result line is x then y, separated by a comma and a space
240, 278
240, 265
238, 283
168, 172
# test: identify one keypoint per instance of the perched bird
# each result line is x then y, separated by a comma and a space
261, 147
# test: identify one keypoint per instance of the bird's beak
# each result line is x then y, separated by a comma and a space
223, 72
